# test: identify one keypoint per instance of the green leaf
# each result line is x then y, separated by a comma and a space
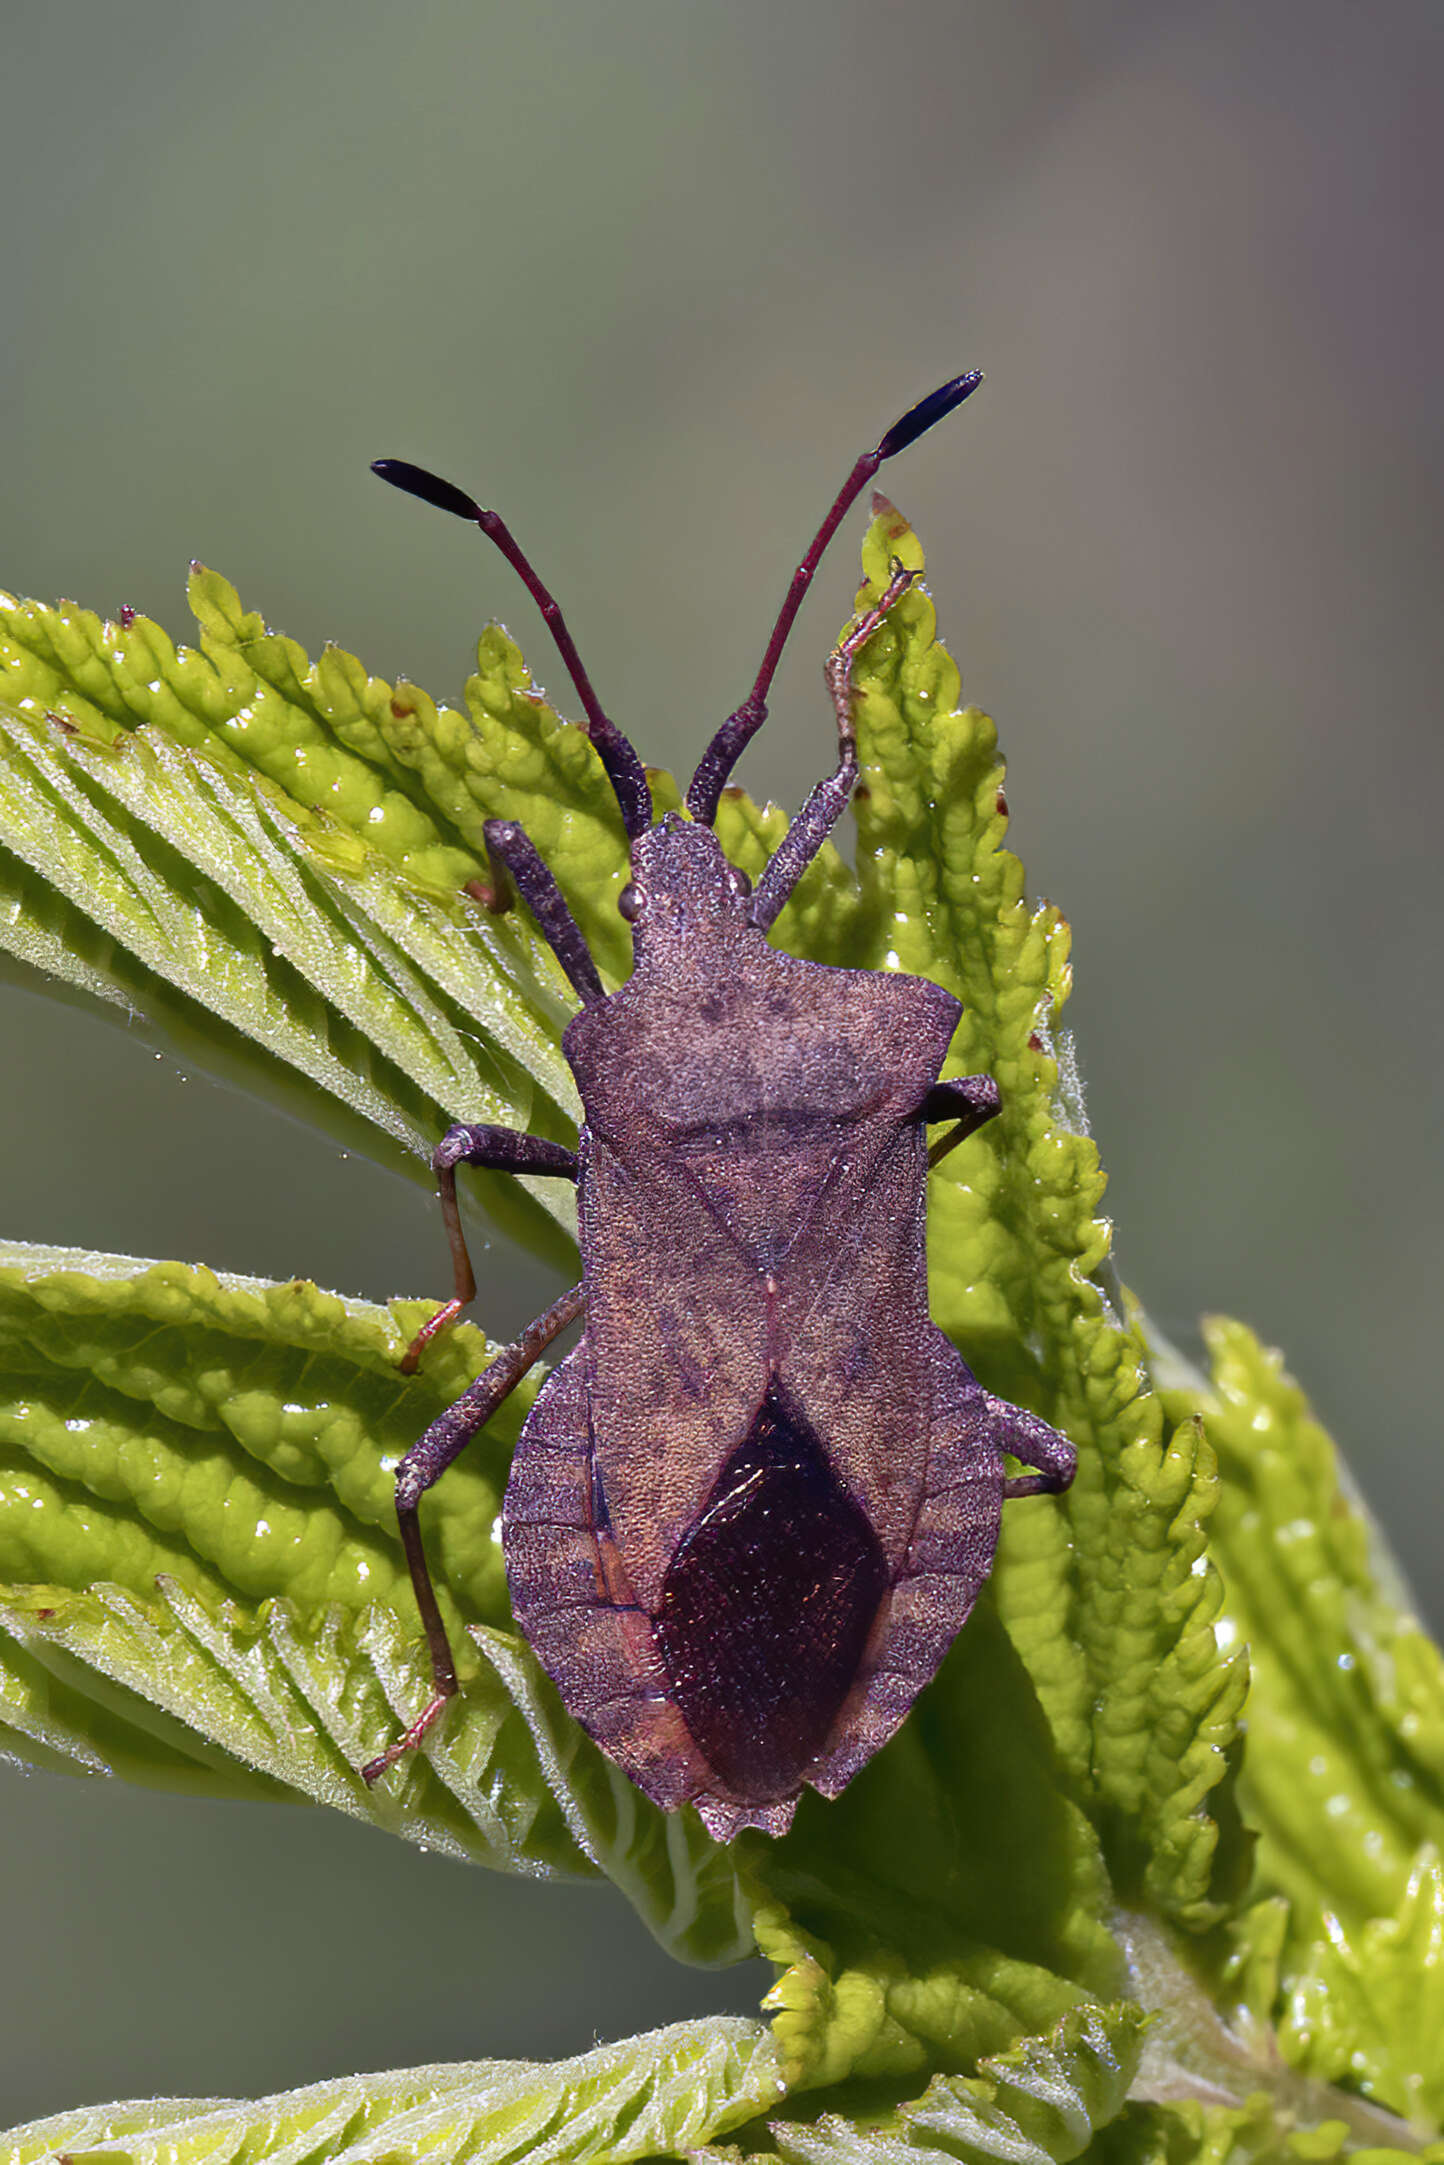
261, 928
1375, 2000
930, 1916
1254, 2133
1118, 1633
262, 856
1041, 2103
1344, 1775
953, 1897
1218, 2083
665, 2092
203, 1579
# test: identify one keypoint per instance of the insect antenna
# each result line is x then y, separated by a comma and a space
736, 733
625, 771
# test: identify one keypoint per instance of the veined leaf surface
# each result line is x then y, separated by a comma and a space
264, 858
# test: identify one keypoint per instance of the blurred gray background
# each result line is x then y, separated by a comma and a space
647, 276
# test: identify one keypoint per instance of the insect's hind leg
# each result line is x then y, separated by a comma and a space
423, 1466
969, 1101
829, 799
497, 1150
1027, 1437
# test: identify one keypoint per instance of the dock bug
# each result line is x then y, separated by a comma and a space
751, 1511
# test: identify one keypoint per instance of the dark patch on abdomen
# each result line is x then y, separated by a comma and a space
767, 1605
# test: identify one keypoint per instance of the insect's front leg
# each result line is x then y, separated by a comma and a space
497, 1150
514, 858
969, 1100
831, 796
423, 1466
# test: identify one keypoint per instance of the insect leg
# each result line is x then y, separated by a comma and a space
512, 850
969, 1100
497, 1150
1036, 1444
829, 800
423, 1466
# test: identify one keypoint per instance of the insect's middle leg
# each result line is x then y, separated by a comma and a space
971, 1100
423, 1466
496, 1150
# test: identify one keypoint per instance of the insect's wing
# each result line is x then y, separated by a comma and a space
572, 1598
853, 1325
947, 1559
677, 1350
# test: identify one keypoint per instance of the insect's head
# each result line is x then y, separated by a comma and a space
664, 860
682, 888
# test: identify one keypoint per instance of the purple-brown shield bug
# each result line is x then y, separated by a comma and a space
752, 1509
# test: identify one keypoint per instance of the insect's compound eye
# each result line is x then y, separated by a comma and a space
630, 902
738, 882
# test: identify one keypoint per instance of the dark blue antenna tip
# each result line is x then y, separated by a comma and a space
416, 481
920, 418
